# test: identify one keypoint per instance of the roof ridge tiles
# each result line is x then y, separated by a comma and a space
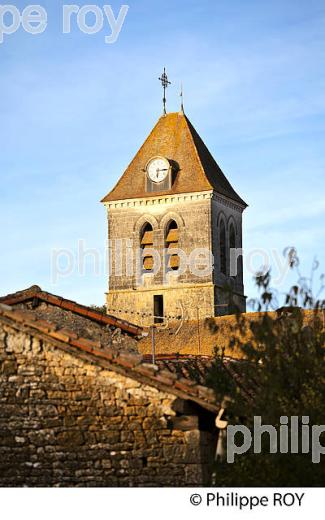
126, 361
36, 292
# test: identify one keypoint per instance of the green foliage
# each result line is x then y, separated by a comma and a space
282, 374
99, 308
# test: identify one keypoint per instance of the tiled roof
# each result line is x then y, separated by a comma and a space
104, 319
175, 138
197, 368
129, 364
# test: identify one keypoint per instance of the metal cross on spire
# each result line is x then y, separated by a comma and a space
165, 83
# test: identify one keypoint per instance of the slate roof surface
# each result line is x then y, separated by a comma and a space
175, 138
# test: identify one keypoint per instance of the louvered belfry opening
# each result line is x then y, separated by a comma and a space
146, 246
172, 238
222, 246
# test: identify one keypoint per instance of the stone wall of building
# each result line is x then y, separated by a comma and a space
231, 214
131, 291
178, 302
198, 217
65, 421
192, 215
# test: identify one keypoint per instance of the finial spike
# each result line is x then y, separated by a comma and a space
165, 83
182, 99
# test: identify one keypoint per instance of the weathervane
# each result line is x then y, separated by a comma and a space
165, 83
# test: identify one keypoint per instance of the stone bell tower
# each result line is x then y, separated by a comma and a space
173, 219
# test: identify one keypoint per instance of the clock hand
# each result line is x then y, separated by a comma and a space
161, 170
158, 170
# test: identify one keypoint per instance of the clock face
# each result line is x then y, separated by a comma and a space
158, 169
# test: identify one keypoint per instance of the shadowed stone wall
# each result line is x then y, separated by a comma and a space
67, 422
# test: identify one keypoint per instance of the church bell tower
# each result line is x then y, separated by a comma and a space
175, 231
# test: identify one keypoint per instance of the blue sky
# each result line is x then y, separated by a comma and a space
74, 111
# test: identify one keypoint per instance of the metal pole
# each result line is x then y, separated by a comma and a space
198, 329
153, 345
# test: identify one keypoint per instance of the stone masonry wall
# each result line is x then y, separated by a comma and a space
230, 213
67, 422
193, 218
128, 291
139, 306
198, 219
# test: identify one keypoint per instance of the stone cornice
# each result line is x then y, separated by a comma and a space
161, 287
159, 199
174, 198
228, 202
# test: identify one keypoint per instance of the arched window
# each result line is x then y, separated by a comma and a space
171, 242
222, 247
232, 245
146, 243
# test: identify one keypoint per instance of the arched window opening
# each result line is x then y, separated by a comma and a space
171, 243
146, 243
222, 247
232, 245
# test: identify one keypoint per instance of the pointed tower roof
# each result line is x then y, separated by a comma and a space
175, 138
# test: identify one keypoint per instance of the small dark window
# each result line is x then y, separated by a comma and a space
158, 308
146, 243
171, 243
222, 246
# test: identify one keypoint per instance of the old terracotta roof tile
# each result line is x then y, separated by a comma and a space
105, 319
83, 342
170, 375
